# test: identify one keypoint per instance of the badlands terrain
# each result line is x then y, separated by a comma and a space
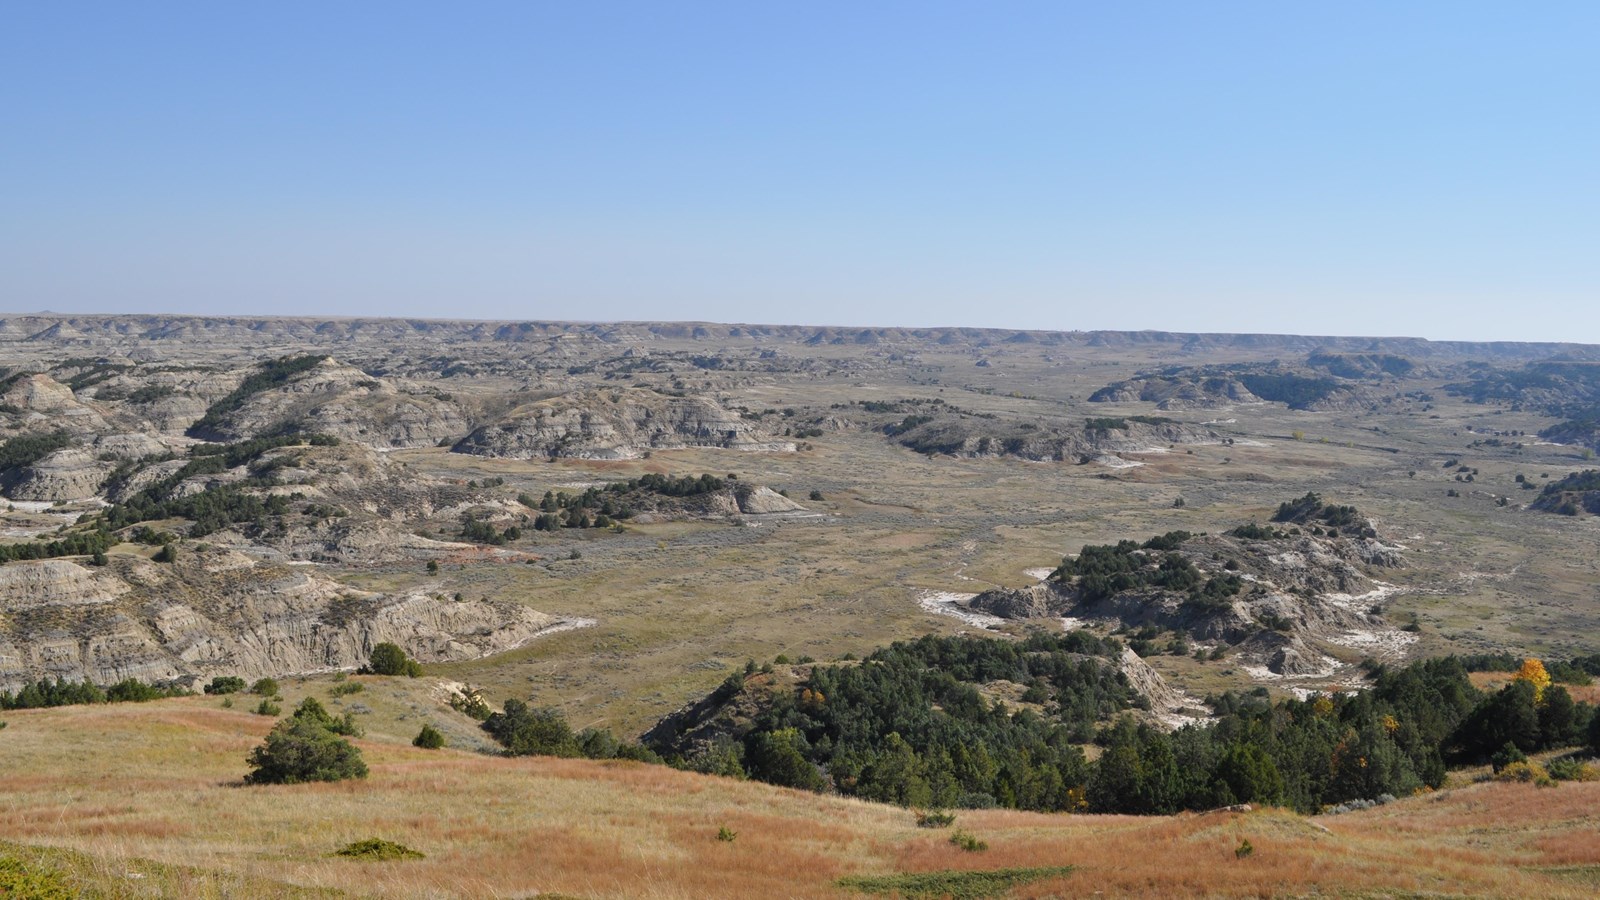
612, 521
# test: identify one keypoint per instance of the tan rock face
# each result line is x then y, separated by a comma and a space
48, 405
54, 582
619, 424
343, 401
225, 615
765, 501
41, 393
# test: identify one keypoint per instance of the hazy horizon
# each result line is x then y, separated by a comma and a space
1371, 169
869, 326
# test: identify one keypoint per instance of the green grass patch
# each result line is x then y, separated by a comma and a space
1588, 876
48, 873
956, 884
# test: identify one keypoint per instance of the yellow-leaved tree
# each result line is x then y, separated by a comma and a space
1533, 672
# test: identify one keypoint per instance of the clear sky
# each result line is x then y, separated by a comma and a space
1427, 169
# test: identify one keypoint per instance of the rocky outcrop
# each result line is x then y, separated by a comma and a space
1288, 655
1294, 590
71, 474
1037, 601
1584, 433
1169, 393
1573, 495
762, 500
956, 435
1163, 697
1211, 387
55, 583
341, 540
616, 424
222, 613
723, 714
42, 403
343, 401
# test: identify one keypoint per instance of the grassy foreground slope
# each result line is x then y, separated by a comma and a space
147, 800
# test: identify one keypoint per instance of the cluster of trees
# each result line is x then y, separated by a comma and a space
1297, 391
1361, 365
270, 375
1311, 510
95, 371
1573, 386
1252, 531
1103, 571
150, 393
914, 420
533, 731
1526, 715
600, 507
59, 692
889, 406
215, 509
1394, 738
1120, 423
1587, 480
480, 532
27, 449
909, 724
87, 542
1579, 670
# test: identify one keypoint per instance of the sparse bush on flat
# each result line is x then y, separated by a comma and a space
302, 749
346, 688
429, 738
378, 850
968, 842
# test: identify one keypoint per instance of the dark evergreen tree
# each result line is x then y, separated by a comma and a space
300, 750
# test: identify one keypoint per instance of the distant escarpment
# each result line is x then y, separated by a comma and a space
146, 336
1272, 591
622, 423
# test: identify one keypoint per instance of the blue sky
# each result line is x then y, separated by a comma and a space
1426, 169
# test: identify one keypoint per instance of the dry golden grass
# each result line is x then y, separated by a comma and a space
154, 790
